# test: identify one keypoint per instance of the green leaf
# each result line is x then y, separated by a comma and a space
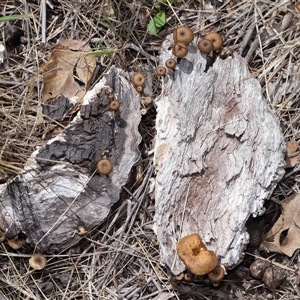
151, 27
13, 17
160, 19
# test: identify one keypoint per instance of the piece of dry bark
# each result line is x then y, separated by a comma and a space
58, 190
219, 154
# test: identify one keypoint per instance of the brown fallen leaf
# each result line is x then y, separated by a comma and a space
292, 156
58, 74
283, 237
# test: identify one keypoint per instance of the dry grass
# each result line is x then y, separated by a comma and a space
120, 258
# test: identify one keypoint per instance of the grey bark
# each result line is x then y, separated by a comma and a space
219, 153
58, 189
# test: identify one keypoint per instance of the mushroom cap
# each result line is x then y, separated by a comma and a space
138, 79
180, 50
216, 39
143, 111
15, 243
114, 105
183, 34
111, 97
148, 100
161, 71
139, 88
2, 236
171, 63
195, 255
37, 261
81, 231
104, 166
205, 46
217, 274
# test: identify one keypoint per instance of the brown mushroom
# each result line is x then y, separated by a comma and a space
138, 79
139, 88
180, 50
2, 236
37, 261
205, 46
183, 34
110, 96
171, 63
104, 166
297, 7
114, 105
160, 71
15, 243
216, 275
195, 255
81, 231
143, 111
148, 100
216, 39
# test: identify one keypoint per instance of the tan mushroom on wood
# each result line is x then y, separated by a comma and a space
194, 254
183, 34
37, 261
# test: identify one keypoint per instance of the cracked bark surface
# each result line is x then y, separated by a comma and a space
219, 153
58, 190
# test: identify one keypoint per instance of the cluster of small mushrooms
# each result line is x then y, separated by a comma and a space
182, 37
198, 260
138, 81
105, 165
37, 261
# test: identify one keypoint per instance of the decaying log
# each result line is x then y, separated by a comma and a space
219, 153
58, 189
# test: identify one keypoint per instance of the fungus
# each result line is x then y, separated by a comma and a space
171, 63
297, 7
139, 88
114, 105
205, 46
143, 111
148, 100
2, 236
183, 34
37, 261
138, 79
216, 275
110, 96
180, 50
216, 39
194, 254
15, 243
161, 71
104, 166
81, 231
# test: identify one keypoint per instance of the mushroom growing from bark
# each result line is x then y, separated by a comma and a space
138, 79
114, 105
171, 63
205, 46
15, 243
216, 275
37, 261
161, 71
180, 50
183, 34
216, 39
194, 254
104, 166
81, 231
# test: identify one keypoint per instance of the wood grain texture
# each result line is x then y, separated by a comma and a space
219, 154
57, 190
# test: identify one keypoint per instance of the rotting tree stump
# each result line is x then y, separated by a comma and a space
58, 190
219, 153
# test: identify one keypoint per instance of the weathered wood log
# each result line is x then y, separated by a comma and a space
58, 189
219, 153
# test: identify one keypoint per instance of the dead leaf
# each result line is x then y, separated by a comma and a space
58, 74
292, 156
284, 236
